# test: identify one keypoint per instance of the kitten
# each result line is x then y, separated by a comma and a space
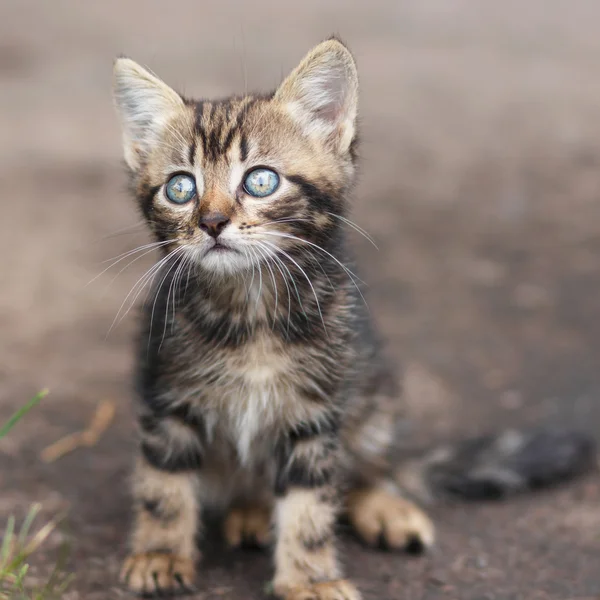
262, 385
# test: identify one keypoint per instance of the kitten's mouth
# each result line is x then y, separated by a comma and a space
219, 248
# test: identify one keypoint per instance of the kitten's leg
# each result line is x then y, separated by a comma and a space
381, 516
375, 504
166, 511
249, 524
306, 562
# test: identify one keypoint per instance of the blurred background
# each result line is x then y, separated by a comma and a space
480, 183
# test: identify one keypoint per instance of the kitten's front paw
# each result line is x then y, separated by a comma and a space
158, 573
382, 517
248, 526
339, 589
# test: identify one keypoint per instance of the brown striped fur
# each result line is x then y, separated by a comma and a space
262, 387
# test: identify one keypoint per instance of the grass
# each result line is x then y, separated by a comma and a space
17, 546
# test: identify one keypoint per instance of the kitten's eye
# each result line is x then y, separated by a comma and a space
261, 182
181, 189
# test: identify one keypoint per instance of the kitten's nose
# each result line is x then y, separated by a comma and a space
213, 223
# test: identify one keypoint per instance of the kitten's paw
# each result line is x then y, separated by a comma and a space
339, 589
158, 573
248, 526
382, 517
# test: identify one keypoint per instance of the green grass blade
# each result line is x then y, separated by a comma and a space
31, 515
7, 541
21, 413
20, 577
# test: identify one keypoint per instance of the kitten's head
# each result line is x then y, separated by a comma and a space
233, 182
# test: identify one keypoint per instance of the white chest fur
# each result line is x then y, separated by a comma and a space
257, 397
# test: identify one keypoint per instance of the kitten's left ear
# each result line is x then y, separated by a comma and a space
145, 104
321, 94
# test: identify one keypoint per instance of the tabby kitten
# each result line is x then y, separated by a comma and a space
261, 382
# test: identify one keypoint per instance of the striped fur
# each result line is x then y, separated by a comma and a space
261, 384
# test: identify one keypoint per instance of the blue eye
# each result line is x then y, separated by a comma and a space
181, 189
261, 182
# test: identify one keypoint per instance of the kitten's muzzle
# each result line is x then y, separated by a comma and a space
213, 224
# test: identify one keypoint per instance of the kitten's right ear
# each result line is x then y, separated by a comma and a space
321, 94
144, 103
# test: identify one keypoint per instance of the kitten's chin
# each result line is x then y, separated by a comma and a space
224, 262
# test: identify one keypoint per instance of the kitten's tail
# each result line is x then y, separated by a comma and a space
492, 467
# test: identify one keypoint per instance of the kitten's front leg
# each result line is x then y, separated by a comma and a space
306, 562
166, 514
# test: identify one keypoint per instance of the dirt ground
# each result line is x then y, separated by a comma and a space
480, 182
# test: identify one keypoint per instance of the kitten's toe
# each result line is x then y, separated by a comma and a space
248, 526
158, 573
339, 589
382, 517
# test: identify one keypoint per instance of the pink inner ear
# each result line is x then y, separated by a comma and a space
336, 94
326, 93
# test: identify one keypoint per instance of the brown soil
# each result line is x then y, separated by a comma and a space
480, 183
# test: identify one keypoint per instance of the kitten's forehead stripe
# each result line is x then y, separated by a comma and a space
192, 153
217, 124
243, 147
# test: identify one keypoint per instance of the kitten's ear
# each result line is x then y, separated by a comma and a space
322, 94
144, 104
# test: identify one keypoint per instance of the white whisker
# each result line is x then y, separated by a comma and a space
174, 290
354, 226
124, 230
265, 255
143, 280
123, 256
173, 254
352, 276
307, 279
287, 287
280, 262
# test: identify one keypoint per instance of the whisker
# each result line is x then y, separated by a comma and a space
189, 270
178, 280
307, 279
174, 255
189, 265
344, 220
352, 276
125, 255
249, 261
356, 227
286, 220
279, 261
143, 280
252, 279
259, 268
294, 237
127, 266
287, 287
124, 230
315, 259
266, 259
130, 252
150, 279
174, 290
